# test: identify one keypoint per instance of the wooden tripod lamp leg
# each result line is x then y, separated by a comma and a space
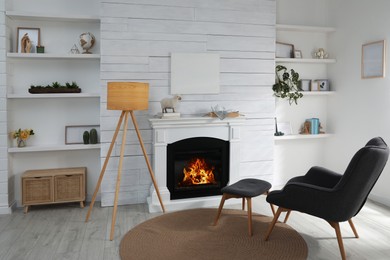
147, 159
104, 166
118, 179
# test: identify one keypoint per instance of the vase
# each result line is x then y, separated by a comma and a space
21, 142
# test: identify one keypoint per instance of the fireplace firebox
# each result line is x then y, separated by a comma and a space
197, 167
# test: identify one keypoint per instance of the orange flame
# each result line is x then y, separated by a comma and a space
197, 172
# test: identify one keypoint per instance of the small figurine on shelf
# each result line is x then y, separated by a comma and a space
305, 130
74, 50
26, 44
321, 54
170, 103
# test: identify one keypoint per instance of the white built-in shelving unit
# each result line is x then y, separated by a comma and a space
53, 148
35, 16
301, 137
49, 114
52, 56
293, 60
307, 39
57, 64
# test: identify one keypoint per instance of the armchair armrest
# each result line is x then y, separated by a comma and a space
322, 177
308, 198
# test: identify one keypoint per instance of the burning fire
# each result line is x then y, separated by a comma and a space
197, 172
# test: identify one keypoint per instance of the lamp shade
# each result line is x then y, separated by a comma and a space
127, 96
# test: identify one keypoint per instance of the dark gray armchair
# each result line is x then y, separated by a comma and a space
332, 196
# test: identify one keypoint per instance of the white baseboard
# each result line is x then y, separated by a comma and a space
380, 199
9, 209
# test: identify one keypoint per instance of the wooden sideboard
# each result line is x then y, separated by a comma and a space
49, 186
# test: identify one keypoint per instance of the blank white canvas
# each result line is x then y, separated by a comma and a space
194, 73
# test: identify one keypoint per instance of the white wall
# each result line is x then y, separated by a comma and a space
361, 108
137, 38
302, 12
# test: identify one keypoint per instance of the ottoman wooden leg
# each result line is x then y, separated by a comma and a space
224, 196
249, 200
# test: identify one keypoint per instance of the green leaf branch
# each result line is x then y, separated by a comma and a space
287, 84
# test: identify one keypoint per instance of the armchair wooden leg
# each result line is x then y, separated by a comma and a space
353, 228
243, 203
336, 226
287, 216
224, 196
272, 224
272, 205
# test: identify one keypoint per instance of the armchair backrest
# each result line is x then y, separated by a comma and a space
361, 175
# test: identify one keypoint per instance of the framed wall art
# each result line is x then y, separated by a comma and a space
28, 39
297, 54
373, 60
285, 128
305, 84
284, 50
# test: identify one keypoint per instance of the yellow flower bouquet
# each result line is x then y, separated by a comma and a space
21, 136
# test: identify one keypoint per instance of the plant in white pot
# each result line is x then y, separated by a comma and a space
287, 84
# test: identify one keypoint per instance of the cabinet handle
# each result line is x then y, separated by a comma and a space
37, 177
68, 175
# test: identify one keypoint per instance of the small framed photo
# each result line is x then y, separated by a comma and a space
74, 133
284, 50
320, 85
373, 60
28, 39
285, 127
305, 84
297, 54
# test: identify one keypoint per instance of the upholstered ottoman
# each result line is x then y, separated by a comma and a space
245, 189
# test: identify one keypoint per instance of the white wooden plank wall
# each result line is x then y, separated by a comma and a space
4, 205
137, 38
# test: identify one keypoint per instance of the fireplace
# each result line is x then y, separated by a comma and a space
197, 167
215, 141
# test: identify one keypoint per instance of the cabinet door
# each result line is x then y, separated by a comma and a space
69, 188
37, 190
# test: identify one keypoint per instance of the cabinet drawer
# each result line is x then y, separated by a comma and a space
37, 190
69, 188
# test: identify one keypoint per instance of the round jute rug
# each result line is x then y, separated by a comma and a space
190, 234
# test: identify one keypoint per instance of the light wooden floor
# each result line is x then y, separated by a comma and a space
59, 232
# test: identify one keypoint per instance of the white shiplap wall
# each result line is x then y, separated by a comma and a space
137, 38
4, 205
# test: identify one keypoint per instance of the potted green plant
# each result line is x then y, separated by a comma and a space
287, 84
55, 87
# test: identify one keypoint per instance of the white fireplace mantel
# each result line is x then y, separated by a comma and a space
167, 131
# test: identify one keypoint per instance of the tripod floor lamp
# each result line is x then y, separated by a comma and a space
125, 96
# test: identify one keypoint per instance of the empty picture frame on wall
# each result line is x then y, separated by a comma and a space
195, 73
74, 133
28, 39
373, 60
284, 50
